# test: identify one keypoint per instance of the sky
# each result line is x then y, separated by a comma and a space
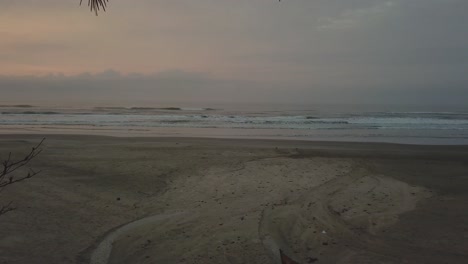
293, 51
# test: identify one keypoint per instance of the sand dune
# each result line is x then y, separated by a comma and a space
337, 221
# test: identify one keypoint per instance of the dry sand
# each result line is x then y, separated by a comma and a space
176, 200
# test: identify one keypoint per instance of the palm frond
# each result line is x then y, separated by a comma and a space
96, 5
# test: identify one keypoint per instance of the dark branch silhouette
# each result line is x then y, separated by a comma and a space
96, 5
7, 176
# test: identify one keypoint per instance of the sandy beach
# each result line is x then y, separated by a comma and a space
187, 200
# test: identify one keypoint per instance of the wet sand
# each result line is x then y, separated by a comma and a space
182, 200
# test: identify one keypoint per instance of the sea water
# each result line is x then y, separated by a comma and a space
376, 123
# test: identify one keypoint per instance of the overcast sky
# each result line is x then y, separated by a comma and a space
331, 51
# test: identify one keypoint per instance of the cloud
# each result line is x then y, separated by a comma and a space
111, 85
355, 17
321, 50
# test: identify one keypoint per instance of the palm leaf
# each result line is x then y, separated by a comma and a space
96, 5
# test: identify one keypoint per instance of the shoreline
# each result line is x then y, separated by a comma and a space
303, 148
414, 137
208, 138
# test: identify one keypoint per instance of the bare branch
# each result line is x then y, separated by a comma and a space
6, 173
6, 208
9, 166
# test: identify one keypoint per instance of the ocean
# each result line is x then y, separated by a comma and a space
430, 125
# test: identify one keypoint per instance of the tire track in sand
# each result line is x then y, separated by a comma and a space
103, 251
